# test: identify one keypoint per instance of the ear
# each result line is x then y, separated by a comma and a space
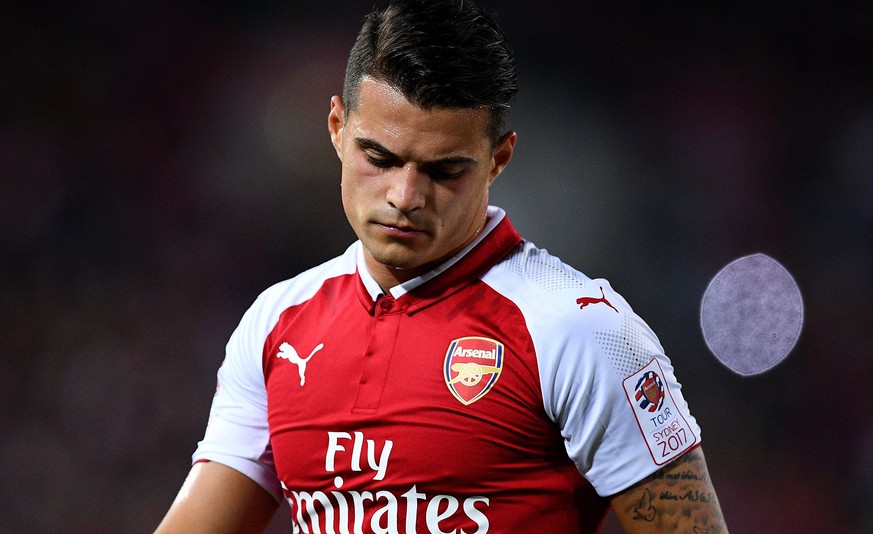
502, 154
335, 123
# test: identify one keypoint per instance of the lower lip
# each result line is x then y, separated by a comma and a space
400, 233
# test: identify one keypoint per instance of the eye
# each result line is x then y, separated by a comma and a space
439, 174
382, 163
447, 171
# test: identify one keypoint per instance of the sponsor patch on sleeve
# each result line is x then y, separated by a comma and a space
664, 428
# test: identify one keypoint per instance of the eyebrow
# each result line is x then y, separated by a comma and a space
373, 145
378, 147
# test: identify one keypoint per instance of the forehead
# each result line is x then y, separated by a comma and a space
384, 115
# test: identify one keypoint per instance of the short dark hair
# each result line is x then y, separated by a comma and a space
436, 53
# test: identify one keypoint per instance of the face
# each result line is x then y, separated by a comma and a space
414, 182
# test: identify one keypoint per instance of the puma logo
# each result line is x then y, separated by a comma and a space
287, 352
585, 301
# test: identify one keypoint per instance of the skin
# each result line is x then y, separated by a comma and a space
677, 498
415, 189
414, 182
216, 499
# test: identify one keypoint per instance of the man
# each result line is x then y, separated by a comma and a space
442, 375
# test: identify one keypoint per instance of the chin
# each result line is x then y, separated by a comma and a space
393, 260
398, 264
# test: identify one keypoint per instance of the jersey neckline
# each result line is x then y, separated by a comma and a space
496, 240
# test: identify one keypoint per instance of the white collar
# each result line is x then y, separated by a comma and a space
494, 216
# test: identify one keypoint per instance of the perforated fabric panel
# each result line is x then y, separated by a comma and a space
543, 269
626, 348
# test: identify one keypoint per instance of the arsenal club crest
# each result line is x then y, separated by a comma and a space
472, 367
650, 391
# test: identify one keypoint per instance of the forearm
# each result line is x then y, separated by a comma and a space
218, 499
678, 498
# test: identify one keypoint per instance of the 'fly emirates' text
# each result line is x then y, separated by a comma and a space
342, 511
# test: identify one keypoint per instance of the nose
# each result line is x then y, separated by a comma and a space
407, 188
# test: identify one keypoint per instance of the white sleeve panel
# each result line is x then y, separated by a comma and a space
588, 357
606, 433
237, 434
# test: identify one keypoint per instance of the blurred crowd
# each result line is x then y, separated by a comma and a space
163, 162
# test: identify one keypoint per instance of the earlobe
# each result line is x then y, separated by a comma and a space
335, 123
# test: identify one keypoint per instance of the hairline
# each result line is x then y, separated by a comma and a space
489, 110
355, 94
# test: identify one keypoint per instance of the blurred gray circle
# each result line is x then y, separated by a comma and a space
751, 314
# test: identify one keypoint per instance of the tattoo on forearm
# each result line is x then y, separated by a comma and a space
693, 496
645, 510
683, 475
680, 497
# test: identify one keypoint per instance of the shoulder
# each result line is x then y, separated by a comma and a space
270, 303
581, 328
542, 283
306, 284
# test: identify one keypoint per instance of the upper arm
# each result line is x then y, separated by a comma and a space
218, 499
678, 498
237, 433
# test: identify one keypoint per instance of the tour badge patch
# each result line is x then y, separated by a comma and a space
472, 367
666, 432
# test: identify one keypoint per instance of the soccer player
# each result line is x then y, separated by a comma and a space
442, 375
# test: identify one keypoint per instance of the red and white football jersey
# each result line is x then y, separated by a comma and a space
502, 392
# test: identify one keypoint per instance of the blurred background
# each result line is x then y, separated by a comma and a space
163, 162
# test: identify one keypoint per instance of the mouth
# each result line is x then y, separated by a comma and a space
400, 230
